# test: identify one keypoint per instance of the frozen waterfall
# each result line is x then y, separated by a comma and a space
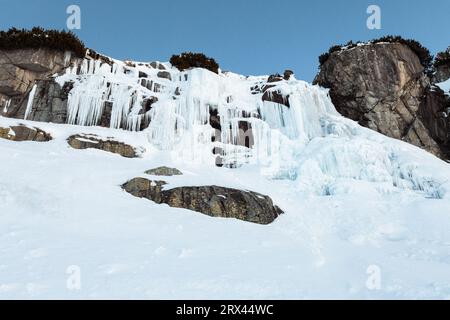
216, 119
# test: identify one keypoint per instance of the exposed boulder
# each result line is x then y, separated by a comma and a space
84, 141
164, 171
380, 85
210, 200
24, 133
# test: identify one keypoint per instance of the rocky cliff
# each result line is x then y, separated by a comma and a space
384, 87
25, 70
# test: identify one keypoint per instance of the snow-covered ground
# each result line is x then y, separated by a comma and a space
61, 207
365, 216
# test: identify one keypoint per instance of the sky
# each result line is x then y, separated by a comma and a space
249, 37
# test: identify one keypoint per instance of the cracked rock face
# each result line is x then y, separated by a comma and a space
213, 201
380, 86
24, 133
94, 142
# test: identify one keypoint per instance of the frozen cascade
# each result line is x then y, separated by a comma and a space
308, 142
95, 85
30, 101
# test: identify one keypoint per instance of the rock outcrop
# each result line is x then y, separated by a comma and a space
435, 114
22, 69
210, 200
270, 91
382, 86
24, 133
442, 73
92, 141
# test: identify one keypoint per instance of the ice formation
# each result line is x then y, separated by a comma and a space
30, 101
307, 142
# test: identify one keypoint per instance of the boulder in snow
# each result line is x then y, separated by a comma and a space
164, 171
92, 141
213, 201
24, 133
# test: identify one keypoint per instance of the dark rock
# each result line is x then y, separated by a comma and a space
164, 171
381, 86
164, 75
214, 119
143, 74
157, 65
147, 104
270, 93
50, 102
245, 137
210, 200
435, 114
274, 78
105, 119
442, 73
81, 141
287, 74
275, 96
24, 133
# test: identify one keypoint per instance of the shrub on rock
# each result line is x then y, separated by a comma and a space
442, 58
423, 53
40, 38
188, 60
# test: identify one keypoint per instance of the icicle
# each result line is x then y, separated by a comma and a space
30, 101
67, 57
6, 106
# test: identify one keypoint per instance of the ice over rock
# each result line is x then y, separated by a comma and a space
308, 142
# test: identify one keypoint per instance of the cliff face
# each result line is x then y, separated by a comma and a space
383, 86
20, 71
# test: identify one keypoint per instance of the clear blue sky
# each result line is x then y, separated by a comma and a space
245, 36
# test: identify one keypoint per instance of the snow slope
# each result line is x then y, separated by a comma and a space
354, 200
445, 86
